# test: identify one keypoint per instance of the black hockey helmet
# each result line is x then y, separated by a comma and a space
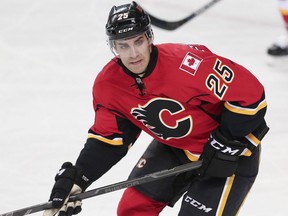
126, 21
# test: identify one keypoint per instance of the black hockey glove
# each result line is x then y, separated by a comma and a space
220, 156
68, 181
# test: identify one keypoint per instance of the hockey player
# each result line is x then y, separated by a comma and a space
280, 46
194, 104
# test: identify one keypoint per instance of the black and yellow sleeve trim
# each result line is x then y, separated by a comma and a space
244, 110
118, 141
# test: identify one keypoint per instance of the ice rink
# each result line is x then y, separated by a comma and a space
50, 53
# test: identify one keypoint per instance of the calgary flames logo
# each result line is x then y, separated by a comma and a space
164, 117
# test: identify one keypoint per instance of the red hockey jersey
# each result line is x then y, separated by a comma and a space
186, 93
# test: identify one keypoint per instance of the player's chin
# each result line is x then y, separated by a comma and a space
137, 69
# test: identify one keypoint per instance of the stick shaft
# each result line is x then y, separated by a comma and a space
110, 188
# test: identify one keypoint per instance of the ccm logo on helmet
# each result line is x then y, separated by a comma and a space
125, 30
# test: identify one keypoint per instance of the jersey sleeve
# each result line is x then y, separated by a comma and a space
109, 139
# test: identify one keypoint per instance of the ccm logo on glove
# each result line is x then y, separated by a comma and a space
220, 155
223, 148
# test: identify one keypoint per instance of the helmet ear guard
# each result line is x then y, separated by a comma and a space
127, 21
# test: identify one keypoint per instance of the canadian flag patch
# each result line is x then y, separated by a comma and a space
190, 63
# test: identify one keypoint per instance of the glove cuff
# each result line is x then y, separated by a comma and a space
82, 181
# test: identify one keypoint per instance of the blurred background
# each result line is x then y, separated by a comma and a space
50, 54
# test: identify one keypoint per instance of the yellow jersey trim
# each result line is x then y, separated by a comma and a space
191, 156
115, 141
245, 111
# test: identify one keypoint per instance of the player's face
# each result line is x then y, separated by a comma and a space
134, 52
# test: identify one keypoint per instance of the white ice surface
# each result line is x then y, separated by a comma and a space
50, 53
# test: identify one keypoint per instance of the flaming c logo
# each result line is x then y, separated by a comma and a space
164, 117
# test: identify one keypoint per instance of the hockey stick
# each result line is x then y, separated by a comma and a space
110, 188
172, 25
